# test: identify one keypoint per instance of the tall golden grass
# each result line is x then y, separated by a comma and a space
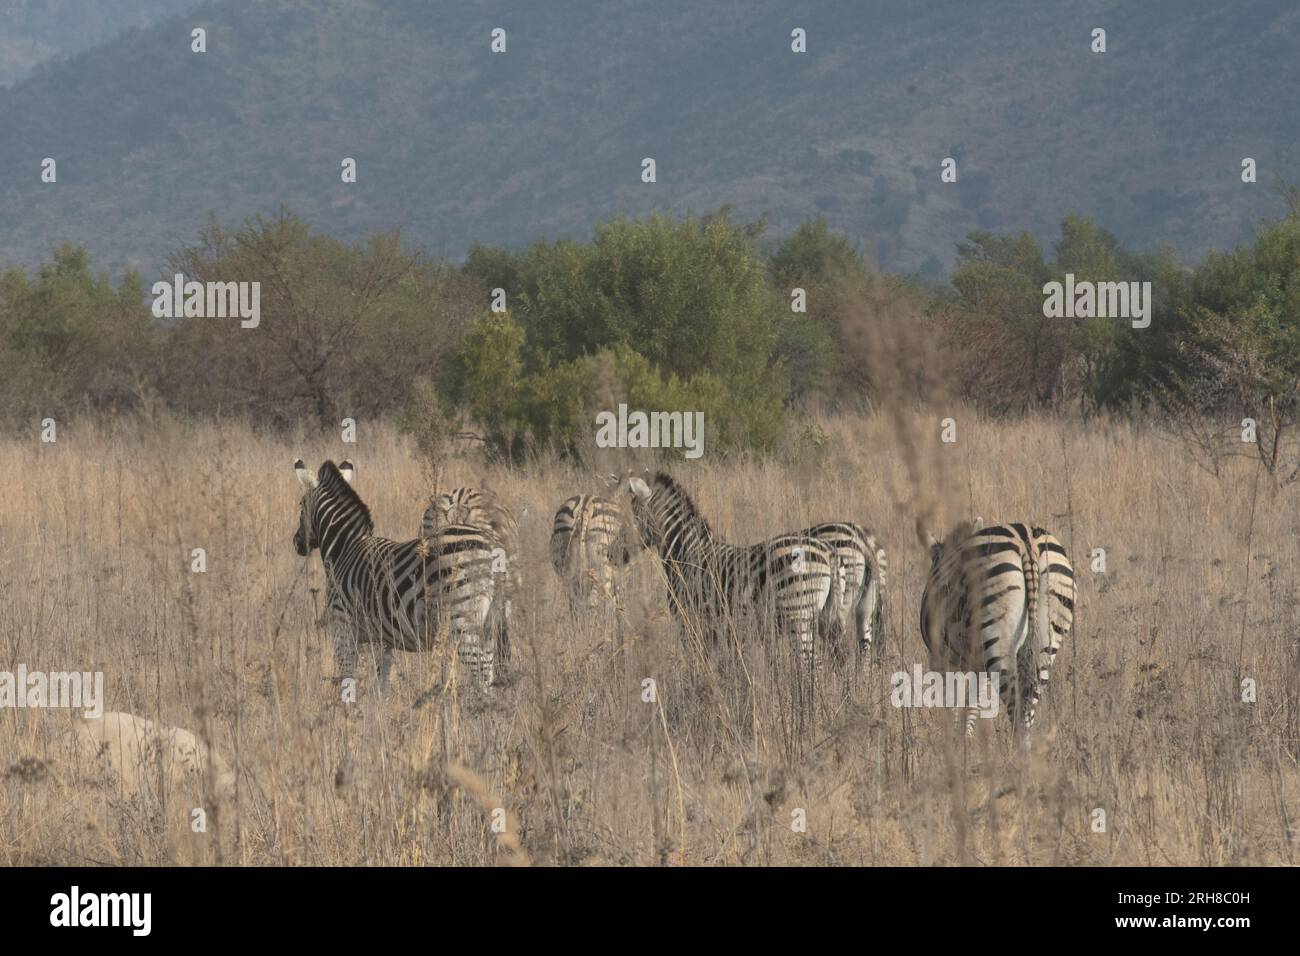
1144, 719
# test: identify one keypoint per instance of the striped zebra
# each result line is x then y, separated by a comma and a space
400, 595
481, 508
785, 580
999, 599
472, 506
857, 601
590, 546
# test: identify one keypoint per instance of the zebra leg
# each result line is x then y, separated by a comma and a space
972, 714
1027, 689
383, 664
503, 635
862, 626
833, 615
1022, 727
498, 631
345, 652
804, 632
805, 641
831, 626
1025, 725
468, 651
865, 615
476, 645
1028, 706
481, 658
608, 598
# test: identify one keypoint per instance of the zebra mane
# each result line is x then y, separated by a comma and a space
676, 494
953, 542
332, 481
963, 530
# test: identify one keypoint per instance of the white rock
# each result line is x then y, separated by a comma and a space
132, 748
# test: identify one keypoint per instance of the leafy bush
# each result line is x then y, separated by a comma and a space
663, 315
70, 339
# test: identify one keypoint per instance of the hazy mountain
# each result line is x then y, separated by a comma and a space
33, 32
457, 145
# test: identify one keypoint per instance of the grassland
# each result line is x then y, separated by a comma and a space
1144, 718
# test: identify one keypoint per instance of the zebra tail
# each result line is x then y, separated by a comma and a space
870, 612
878, 623
1037, 632
867, 617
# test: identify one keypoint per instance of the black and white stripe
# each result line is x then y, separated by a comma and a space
999, 600
857, 600
400, 595
785, 581
591, 546
481, 508
473, 506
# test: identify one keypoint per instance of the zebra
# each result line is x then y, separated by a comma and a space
400, 595
480, 508
785, 579
857, 585
473, 506
1000, 600
590, 546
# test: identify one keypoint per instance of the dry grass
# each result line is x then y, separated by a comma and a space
1143, 719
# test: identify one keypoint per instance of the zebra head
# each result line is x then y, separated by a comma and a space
648, 528
629, 542
330, 510
663, 514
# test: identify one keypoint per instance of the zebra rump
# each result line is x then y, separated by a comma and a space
590, 547
480, 508
1000, 600
857, 599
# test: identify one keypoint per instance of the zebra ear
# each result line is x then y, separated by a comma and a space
977, 524
347, 470
640, 489
306, 477
931, 542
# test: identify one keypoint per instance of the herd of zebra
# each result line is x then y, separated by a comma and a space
997, 600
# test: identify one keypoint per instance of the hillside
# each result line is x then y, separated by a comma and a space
36, 32
458, 146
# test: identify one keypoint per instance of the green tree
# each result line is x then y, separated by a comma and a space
814, 345
487, 378
688, 295
1245, 336
71, 339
